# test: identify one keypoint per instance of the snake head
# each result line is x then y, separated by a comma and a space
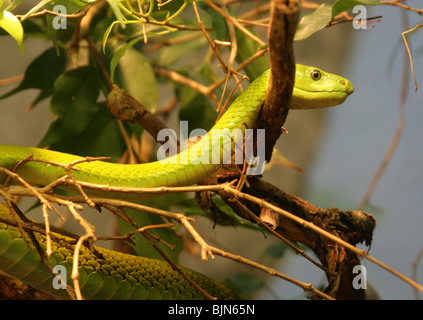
315, 88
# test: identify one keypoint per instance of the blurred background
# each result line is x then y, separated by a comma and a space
340, 148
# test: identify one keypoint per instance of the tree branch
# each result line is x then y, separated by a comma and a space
283, 24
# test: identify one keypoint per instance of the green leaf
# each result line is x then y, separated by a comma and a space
10, 5
42, 72
106, 34
119, 53
74, 104
196, 109
101, 138
114, 4
135, 74
34, 9
314, 22
43, 94
171, 7
246, 48
320, 18
60, 28
12, 26
169, 55
218, 23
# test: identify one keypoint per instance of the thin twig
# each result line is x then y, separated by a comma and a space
415, 268
75, 264
11, 80
401, 5
44, 12
308, 287
409, 52
234, 22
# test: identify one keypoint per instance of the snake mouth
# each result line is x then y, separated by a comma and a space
306, 99
343, 88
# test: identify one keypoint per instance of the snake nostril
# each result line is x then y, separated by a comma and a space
347, 85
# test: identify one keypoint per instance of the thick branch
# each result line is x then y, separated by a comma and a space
351, 227
283, 24
126, 108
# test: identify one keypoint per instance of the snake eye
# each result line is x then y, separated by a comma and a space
315, 74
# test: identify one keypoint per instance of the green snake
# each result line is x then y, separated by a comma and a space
116, 275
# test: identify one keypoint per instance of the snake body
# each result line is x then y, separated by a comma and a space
106, 275
314, 88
